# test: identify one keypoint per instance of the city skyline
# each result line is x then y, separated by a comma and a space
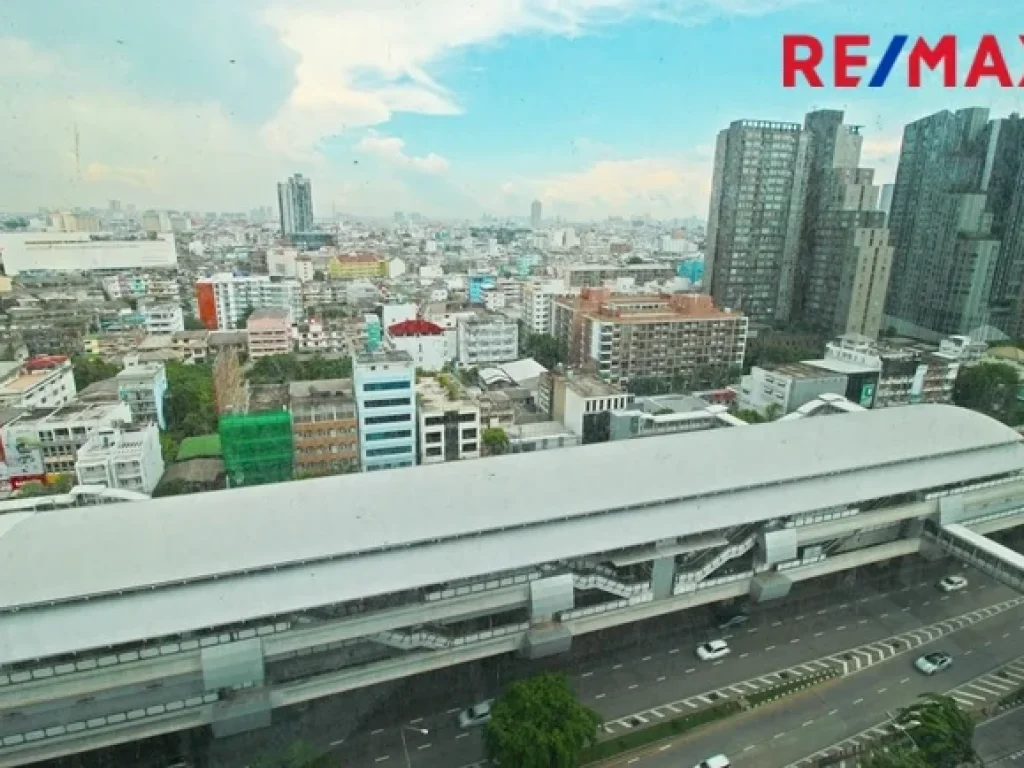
593, 107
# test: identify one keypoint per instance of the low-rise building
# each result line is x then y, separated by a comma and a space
59, 433
270, 332
191, 346
112, 346
316, 336
227, 341
143, 387
784, 388
162, 319
325, 430
497, 411
449, 426
540, 436
424, 341
582, 403
355, 266
486, 338
129, 460
669, 414
44, 381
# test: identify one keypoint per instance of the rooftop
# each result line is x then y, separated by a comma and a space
381, 356
321, 389
605, 305
415, 328
801, 371
275, 314
588, 385
293, 547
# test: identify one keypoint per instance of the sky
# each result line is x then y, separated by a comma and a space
449, 108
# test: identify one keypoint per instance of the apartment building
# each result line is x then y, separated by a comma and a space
143, 387
386, 409
356, 266
145, 285
60, 432
44, 381
224, 300
191, 346
113, 345
316, 336
486, 338
129, 460
449, 428
537, 298
596, 275
269, 332
162, 319
325, 432
627, 337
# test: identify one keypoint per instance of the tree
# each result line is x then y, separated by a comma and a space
62, 484
538, 723
495, 441
750, 416
190, 403
544, 348
280, 369
168, 447
942, 732
772, 411
90, 369
193, 323
990, 388
241, 324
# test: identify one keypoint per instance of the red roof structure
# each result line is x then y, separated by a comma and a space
415, 328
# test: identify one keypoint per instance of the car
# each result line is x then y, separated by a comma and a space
734, 618
936, 661
718, 761
952, 583
478, 714
713, 649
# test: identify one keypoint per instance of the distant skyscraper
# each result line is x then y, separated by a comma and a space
957, 224
115, 206
845, 254
885, 200
754, 225
535, 214
295, 202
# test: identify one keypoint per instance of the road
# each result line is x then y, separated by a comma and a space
641, 676
785, 733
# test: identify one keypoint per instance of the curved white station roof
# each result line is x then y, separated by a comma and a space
368, 534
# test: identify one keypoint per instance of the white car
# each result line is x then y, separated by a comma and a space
715, 649
930, 663
478, 714
952, 583
718, 761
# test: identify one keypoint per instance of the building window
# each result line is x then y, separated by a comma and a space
469, 447
434, 451
468, 433
381, 386
397, 434
433, 437
392, 403
394, 419
396, 450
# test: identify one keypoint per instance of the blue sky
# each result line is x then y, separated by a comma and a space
446, 107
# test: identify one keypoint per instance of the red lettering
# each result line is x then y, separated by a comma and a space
792, 63
989, 62
943, 53
846, 60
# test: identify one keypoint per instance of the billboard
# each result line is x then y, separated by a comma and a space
21, 455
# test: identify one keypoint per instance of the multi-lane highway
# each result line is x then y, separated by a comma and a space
624, 676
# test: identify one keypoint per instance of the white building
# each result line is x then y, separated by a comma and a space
424, 342
449, 429
59, 433
81, 251
386, 409
537, 298
225, 299
484, 338
40, 382
131, 285
314, 336
143, 387
162, 319
128, 460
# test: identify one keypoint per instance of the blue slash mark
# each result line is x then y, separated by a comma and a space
892, 53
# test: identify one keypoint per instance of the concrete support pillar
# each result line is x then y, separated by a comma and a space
663, 577
237, 671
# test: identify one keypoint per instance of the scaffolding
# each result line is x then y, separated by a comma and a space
257, 447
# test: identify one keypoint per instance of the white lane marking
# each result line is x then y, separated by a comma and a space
585, 674
799, 618
646, 658
840, 628
776, 623
617, 666
744, 655
844, 605
633, 687
717, 663
904, 681
968, 652
374, 733
882, 690
821, 612
336, 743
779, 735
794, 640
832, 712
382, 759
770, 647
417, 720
818, 634
633, 760
599, 696
749, 747
859, 701
662, 749
424, 746
461, 735
691, 669
674, 650
883, 615
661, 679
752, 631
453, 710
809, 722
863, 621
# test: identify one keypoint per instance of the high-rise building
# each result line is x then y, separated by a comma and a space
957, 225
295, 202
756, 217
385, 394
845, 254
224, 300
885, 200
535, 213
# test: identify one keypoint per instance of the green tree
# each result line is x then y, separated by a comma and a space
538, 723
89, 369
750, 416
942, 732
193, 323
494, 441
168, 447
63, 484
772, 411
280, 369
544, 348
990, 388
240, 325
191, 408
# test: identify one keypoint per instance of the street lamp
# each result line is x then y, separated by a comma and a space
405, 747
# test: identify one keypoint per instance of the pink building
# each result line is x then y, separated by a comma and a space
270, 332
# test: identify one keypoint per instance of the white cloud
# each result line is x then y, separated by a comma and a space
392, 150
19, 59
